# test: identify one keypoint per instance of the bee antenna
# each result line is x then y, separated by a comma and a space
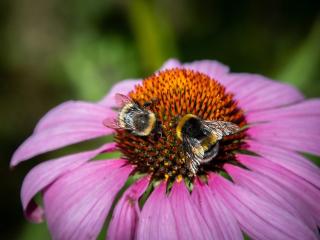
147, 104
151, 102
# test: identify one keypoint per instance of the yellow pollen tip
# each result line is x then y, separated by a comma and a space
166, 177
179, 178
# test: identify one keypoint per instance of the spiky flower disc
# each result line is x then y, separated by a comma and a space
174, 93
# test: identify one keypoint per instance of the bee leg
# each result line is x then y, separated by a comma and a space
151, 102
159, 128
158, 134
147, 104
211, 153
174, 121
156, 137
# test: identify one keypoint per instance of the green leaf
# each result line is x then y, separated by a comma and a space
93, 64
304, 63
153, 33
35, 232
315, 159
245, 237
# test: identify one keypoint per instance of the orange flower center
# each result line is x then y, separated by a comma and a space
175, 93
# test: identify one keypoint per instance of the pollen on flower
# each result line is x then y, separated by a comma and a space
179, 178
175, 93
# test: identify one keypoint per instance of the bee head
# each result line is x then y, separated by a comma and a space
191, 126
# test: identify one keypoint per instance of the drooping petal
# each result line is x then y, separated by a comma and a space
189, 222
255, 92
285, 178
123, 87
69, 123
270, 191
288, 159
307, 108
77, 204
47, 172
171, 63
126, 213
213, 69
301, 135
260, 219
157, 220
221, 222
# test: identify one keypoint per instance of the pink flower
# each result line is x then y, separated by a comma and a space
273, 194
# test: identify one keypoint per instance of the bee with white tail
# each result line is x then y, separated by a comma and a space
133, 117
200, 138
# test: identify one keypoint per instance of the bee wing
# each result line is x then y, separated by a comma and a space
193, 166
221, 128
122, 100
194, 153
111, 123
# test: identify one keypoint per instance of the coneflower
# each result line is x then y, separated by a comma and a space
258, 183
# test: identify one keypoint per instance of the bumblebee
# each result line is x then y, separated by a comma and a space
200, 138
133, 117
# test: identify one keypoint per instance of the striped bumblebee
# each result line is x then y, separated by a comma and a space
200, 138
133, 117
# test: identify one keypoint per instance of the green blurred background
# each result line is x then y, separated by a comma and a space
55, 50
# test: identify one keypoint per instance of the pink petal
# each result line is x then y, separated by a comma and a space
69, 123
45, 173
300, 126
255, 92
77, 204
285, 178
157, 220
213, 69
289, 160
270, 191
297, 134
189, 222
126, 213
220, 220
260, 219
171, 63
73, 111
55, 138
123, 87
303, 109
